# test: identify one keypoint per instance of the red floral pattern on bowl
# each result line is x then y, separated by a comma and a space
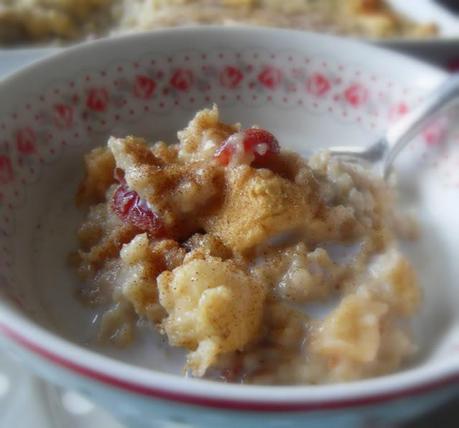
93, 102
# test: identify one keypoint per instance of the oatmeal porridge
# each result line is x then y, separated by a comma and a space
223, 241
38, 20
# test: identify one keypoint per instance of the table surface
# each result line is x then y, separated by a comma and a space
30, 402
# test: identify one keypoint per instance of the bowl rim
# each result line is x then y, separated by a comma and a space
152, 384
30, 337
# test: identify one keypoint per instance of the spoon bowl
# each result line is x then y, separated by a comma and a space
399, 135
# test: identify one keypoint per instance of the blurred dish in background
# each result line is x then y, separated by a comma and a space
26, 21
452, 5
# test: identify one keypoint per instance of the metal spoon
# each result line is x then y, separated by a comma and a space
386, 149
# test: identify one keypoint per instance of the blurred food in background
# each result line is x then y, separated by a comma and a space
25, 21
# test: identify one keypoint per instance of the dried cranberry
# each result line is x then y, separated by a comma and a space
130, 208
260, 144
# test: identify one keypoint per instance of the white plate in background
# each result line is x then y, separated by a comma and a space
428, 11
26, 402
441, 50
423, 11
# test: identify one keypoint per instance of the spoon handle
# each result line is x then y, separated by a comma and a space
410, 125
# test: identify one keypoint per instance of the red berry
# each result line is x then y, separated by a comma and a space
130, 208
256, 142
261, 143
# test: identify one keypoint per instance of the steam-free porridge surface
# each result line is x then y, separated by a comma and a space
222, 240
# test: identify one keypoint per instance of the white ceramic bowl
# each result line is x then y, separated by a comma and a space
311, 91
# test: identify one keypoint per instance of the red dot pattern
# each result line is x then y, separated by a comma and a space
246, 77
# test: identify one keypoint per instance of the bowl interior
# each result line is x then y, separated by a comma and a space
322, 92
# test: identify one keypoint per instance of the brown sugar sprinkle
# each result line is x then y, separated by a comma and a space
246, 248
